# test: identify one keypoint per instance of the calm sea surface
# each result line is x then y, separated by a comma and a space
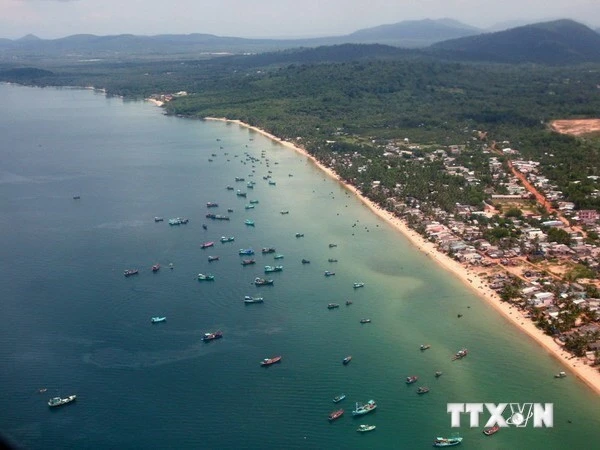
72, 323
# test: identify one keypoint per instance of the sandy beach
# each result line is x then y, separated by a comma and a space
576, 366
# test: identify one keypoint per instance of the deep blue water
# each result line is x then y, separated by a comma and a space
74, 324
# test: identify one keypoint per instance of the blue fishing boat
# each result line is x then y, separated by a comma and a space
246, 251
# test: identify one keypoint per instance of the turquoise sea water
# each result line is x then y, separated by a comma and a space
74, 324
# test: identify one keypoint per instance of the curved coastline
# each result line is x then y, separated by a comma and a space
586, 373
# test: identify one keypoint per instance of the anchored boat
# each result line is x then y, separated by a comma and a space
158, 319
360, 409
364, 428
57, 401
269, 361
212, 336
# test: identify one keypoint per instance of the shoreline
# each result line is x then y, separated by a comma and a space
586, 373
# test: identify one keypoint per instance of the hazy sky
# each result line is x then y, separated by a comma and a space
266, 18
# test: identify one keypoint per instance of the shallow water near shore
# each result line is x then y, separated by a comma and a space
75, 325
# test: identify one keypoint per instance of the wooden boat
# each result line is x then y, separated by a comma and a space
336, 415
447, 442
411, 379
364, 428
212, 336
57, 401
333, 305
460, 354
339, 398
247, 262
269, 361
156, 267
207, 244
422, 390
130, 272
491, 430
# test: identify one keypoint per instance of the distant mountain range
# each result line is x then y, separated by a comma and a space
556, 42
415, 33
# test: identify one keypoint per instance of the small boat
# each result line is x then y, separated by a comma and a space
158, 319
272, 183
178, 221
212, 336
438, 374
249, 299
159, 219
411, 379
156, 267
249, 222
332, 245
130, 272
229, 210
365, 320
278, 256
460, 354
348, 302
422, 390
329, 274
491, 430
336, 415
42, 390
284, 212
211, 216
254, 202
333, 306
360, 410
171, 266
212, 205
239, 179
262, 282
305, 261
339, 398
269, 269
250, 185
364, 428
207, 277
425, 346
77, 197
268, 361
57, 401
346, 360
299, 235
247, 262
213, 258
204, 227
332, 260
249, 206
230, 188
447, 442
207, 244
268, 250
219, 217
358, 285
227, 239
240, 194
560, 375
246, 251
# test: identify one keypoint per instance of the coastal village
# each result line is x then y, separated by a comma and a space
523, 243
535, 250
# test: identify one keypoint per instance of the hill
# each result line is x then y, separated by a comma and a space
411, 34
414, 33
557, 42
